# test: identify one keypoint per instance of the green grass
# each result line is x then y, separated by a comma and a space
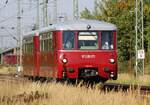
130, 79
127, 76
7, 69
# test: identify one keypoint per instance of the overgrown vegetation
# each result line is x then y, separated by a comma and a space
61, 94
121, 13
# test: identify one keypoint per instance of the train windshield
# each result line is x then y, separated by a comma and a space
68, 40
88, 40
107, 41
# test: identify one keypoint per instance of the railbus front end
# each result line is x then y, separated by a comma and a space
88, 54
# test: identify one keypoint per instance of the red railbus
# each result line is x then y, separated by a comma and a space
72, 49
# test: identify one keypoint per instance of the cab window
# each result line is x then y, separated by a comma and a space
68, 40
107, 41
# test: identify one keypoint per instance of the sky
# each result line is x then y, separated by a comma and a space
8, 14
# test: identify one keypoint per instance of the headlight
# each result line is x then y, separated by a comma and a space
112, 75
65, 60
111, 60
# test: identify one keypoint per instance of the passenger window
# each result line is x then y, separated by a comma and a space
68, 39
46, 42
107, 41
28, 45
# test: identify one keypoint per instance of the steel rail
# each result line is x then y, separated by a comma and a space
125, 87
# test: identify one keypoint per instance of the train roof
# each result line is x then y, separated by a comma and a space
83, 24
76, 25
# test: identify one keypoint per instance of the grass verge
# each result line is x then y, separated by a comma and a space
130, 79
30, 93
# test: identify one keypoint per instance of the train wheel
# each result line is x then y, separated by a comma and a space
52, 80
30, 78
35, 79
42, 79
115, 77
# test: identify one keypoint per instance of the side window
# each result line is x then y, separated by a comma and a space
28, 45
46, 42
50, 41
68, 39
41, 42
107, 41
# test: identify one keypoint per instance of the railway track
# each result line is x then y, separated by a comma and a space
11, 78
126, 87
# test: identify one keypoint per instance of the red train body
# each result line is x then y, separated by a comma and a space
74, 49
10, 59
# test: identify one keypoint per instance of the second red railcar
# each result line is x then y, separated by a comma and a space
10, 59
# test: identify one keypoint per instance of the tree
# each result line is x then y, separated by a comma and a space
147, 26
87, 14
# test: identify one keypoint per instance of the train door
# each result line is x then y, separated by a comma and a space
36, 54
28, 56
55, 54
